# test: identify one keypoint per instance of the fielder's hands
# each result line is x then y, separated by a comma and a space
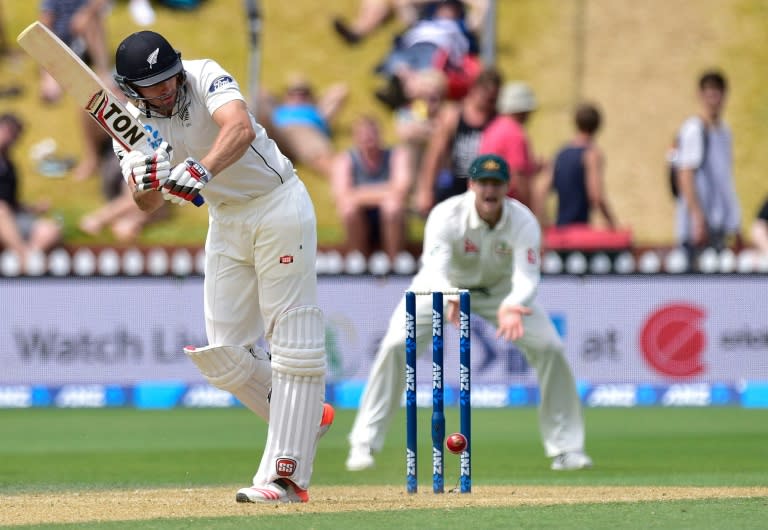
186, 181
510, 319
147, 172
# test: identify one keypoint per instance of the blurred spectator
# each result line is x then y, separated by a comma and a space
80, 24
708, 211
23, 229
142, 12
455, 142
120, 213
301, 124
370, 184
372, 14
507, 138
577, 175
415, 122
440, 41
760, 229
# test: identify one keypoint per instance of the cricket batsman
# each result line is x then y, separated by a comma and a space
487, 243
260, 278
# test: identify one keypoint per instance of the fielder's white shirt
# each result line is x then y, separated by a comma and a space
192, 132
462, 251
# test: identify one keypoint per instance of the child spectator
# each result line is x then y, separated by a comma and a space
577, 175
370, 184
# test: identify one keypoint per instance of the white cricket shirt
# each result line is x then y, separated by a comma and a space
192, 131
462, 251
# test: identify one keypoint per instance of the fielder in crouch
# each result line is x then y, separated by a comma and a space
260, 277
487, 243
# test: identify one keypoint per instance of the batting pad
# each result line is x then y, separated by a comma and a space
298, 390
246, 374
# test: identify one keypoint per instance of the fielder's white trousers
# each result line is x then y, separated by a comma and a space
560, 418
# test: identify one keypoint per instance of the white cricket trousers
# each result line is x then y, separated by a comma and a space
560, 417
260, 260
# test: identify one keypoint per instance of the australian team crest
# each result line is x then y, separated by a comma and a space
503, 249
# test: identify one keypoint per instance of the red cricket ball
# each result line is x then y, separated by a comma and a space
456, 443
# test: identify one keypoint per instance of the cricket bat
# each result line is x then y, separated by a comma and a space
87, 89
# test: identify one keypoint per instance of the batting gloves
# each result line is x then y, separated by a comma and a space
147, 172
185, 181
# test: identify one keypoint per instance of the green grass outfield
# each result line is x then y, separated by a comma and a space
72, 454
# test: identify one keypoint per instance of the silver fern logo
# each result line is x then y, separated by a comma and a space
152, 58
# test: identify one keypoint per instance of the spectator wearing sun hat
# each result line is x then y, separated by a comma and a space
506, 137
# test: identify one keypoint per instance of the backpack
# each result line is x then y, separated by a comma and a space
672, 159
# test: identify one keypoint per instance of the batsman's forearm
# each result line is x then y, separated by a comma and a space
148, 201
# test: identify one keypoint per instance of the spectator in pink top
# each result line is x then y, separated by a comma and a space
507, 138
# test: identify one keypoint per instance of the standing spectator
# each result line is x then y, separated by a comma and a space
260, 252
506, 137
80, 24
302, 124
577, 175
708, 211
456, 141
22, 227
462, 241
371, 183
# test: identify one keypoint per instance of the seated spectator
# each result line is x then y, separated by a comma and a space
760, 229
455, 142
120, 213
372, 14
23, 229
370, 184
415, 122
437, 42
81, 25
577, 175
301, 124
507, 138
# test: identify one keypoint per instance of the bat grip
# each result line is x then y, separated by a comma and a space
198, 201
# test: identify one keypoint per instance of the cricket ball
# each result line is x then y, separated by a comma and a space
456, 443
